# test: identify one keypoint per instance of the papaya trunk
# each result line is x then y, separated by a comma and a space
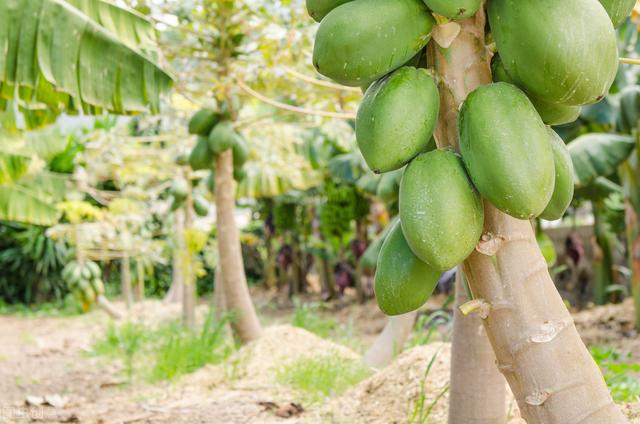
138, 294
174, 295
633, 240
390, 341
189, 277
538, 349
271, 279
602, 260
245, 323
125, 276
477, 391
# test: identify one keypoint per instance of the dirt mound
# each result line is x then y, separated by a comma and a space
602, 324
390, 395
258, 363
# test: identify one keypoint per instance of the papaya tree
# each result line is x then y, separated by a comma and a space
470, 201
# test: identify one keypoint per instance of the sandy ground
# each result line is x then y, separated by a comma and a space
48, 356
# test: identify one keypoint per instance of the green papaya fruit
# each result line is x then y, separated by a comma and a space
176, 204
240, 152
388, 186
618, 10
369, 258
551, 113
441, 213
98, 286
454, 9
402, 282
182, 159
203, 121
179, 188
211, 182
564, 182
222, 137
396, 118
318, 9
200, 205
239, 174
201, 157
558, 51
555, 114
363, 40
505, 148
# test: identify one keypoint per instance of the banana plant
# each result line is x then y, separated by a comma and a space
601, 158
78, 55
28, 191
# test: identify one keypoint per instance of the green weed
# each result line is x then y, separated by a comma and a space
167, 351
421, 411
305, 315
621, 376
324, 376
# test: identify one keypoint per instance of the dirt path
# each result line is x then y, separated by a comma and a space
50, 356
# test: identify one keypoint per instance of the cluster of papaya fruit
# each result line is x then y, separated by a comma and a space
84, 279
552, 58
215, 134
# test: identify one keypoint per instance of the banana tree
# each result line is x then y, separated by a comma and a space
78, 55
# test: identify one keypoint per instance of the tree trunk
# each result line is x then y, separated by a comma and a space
271, 278
390, 341
125, 271
189, 276
138, 294
219, 301
633, 242
477, 390
538, 349
234, 282
174, 295
602, 256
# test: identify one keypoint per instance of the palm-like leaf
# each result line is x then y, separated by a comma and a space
598, 155
64, 54
32, 199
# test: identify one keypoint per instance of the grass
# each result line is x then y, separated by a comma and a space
427, 328
167, 351
305, 315
67, 307
323, 377
420, 410
622, 377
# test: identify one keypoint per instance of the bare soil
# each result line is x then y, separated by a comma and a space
50, 356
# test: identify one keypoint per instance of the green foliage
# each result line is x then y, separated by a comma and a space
322, 377
426, 329
284, 215
126, 341
337, 213
30, 265
305, 315
72, 42
620, 375
598, 155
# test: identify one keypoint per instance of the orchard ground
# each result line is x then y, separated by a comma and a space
57, 369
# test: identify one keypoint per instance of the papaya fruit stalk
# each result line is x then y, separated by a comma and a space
538, 349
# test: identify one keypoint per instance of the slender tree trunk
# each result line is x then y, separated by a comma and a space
538, 349
174, 295
633, 242
189, 277
390, 341
477, 391
219, 301
602, 256
127, 293
271, 278
138, 294
234, 282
